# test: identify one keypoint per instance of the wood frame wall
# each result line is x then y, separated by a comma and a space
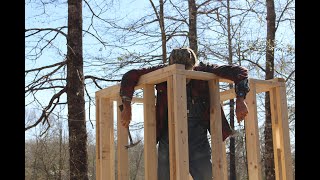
176, 76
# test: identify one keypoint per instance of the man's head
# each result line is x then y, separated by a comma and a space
184, 56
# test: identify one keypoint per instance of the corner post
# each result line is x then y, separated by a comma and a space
171, 128
106, 140
252, 135
181, 126
280, 132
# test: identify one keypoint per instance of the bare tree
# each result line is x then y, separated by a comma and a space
136, 158
270, 44
61, 78
46, 154
192, 35
74, 86
75, 94
232, 167
160, 18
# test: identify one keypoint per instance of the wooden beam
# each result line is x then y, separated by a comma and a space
111, 91
137, 100
159, 75
224, 156
252, 136
98, 152
122, 152
150, 156
181, 126
171, 129
218, 165
275, 133
227, 95
106, 139
261, 86
153, 77
199, 75
280, 133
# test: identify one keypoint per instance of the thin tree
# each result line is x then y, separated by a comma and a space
60, 152
160, 18
192, 34
232, 148
270, 45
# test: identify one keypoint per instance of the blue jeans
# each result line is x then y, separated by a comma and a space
199, 153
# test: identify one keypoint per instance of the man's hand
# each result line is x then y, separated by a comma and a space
241, 109
126, 114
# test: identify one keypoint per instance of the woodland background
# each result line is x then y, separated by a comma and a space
75, 48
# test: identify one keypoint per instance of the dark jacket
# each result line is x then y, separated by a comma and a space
200, 89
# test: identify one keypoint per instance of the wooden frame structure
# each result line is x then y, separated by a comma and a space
176, 76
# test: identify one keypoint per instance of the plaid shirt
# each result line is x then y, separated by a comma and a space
200, 89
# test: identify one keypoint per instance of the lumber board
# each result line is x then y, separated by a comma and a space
171, 129
280, 134
150, 156
252, 137
181, 126
106, 139
122, 152
218, 163
98, 148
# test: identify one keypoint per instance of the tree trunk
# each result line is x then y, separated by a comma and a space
233, 173
268, 155
75, 94
193, 39
60, 153
160, 17
163, 33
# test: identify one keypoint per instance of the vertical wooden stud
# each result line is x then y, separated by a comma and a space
150, 157
106, 139
122, 152
181, 126
252, 136
225, 162
98, 152
218, 165
171, 124
280, 133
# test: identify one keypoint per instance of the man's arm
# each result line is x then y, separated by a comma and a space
128, 82
237, 74
232, 72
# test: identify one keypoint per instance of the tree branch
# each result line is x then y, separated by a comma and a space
45, 112
38, 30
282, 13
45, 67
